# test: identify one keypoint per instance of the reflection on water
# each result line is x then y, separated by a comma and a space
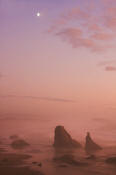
44, 155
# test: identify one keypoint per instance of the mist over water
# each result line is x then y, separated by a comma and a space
40, 136
37, 131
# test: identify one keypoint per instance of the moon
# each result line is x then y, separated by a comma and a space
38, 14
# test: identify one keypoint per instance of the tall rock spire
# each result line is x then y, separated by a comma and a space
63, 139
90, 145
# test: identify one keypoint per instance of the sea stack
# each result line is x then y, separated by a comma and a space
63, 139
90, 145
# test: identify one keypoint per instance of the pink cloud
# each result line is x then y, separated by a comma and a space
85, 28
102, 36
73, 14
110, 18
71, 34
104, 63
110, 68
111, 23
75, 37
94, 27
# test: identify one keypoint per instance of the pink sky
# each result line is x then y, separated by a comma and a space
60, 66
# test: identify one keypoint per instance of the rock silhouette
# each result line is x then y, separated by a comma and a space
90, 144
63, 139
19, 144
111, 160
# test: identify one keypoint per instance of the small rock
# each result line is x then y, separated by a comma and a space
111, 160
34, 162
91, 157
40, 164
90, 145
19, 144
63, 166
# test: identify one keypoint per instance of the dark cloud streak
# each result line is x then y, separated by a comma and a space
39, 98
110, 68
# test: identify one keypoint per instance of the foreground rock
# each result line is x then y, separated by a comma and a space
69, 159
19, 144
90, 144
111, 160
62, 139
18, 171
2, 150
15, 164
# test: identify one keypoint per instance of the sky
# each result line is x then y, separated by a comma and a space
60, 66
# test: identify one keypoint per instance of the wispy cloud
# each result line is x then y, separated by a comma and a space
39, 98
66, 17
74, 36
23, 116
110, 68
109, 65
85, 27
109, 62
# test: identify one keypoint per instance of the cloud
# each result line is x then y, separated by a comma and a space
66, 17
86, 27
40, 98
102, 36
110, 68
100, 120
23, 116
74, 36
104, 63
108, 65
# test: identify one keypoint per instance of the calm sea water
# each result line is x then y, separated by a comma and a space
45, 153
41, 150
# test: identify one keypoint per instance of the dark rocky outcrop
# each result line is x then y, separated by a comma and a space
62, 139
90, 144
111, 160
19, 144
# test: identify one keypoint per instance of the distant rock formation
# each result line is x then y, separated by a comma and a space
14, 137
62, 139
19, 144
90, 144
